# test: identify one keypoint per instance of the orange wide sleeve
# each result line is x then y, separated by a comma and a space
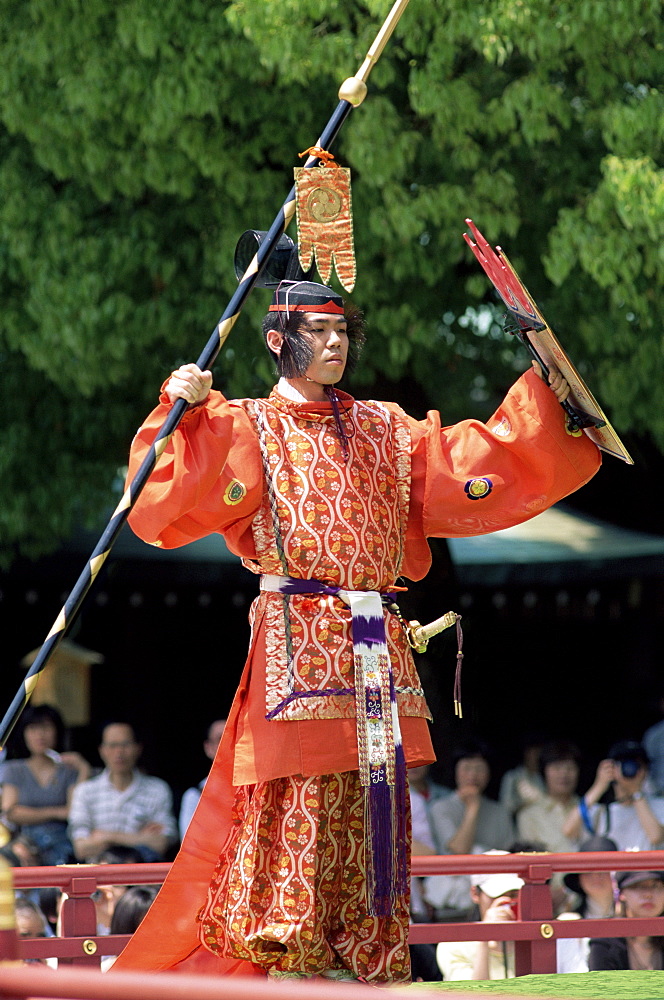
208, 479
522, 460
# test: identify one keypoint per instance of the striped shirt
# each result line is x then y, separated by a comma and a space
98, 805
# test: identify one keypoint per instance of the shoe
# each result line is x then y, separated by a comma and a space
278, 974
340, 976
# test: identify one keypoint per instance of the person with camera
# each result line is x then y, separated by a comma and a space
495, 898
633, 818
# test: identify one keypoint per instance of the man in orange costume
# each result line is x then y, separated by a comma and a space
296, 861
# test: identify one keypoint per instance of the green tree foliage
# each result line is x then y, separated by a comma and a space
139, 139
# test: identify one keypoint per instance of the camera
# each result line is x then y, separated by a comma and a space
629, 768
629, 756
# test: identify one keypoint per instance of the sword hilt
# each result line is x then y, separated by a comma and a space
419, 635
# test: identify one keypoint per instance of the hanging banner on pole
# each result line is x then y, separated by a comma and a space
325, 218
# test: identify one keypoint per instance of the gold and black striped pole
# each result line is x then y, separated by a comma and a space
351, 94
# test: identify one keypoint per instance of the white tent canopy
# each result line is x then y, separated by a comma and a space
558, 537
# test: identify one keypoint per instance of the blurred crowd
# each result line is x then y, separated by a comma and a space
540, 809
58, 808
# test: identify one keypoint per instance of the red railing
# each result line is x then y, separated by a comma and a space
79, 943
19, 983
535, 932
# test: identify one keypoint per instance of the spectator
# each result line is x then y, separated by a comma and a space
38, 785
423, 793
21, 852
495, 897
641, 895
555, 883
50, 898
596, 900
523, 785
129, 911
634, 820
467, 819
595, 889
466, 822
31, 923
107, 897
544, 821
118, 855
653, 744
122, 806
192, 795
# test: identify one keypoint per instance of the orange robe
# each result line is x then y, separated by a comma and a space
467, 479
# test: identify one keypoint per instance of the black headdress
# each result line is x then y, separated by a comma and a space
294, 296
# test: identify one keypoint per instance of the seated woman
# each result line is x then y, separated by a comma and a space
38, 784
641, 895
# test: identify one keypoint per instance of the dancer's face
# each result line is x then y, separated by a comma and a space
329, 341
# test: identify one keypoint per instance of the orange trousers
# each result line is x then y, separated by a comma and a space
288, 892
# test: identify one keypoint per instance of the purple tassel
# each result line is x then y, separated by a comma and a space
387, 835
380, 863
388, 860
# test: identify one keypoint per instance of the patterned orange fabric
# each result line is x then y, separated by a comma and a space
306, 837
333, 521
325, 222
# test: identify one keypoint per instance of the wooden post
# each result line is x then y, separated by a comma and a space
535, 904
79, 919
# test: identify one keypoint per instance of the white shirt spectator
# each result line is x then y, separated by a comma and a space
653, 744
190, 800
623, 826
192, 796
542, 823
98, 805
